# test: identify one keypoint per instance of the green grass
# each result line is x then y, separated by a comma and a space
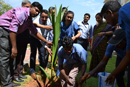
93, 82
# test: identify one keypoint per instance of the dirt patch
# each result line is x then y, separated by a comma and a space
39, 83
34, 83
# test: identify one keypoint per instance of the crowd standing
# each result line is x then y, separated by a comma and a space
17, 29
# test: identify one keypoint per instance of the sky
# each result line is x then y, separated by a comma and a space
79, 7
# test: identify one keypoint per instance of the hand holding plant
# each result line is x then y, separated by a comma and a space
49, 50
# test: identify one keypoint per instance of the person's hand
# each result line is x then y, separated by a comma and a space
91, 48
80, 85
49, 50
73, 38
110, 79
100, 34
86, 76
49, 43
14, 52
49, 27
68, 81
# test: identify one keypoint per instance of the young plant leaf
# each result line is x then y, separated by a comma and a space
56, 34
44, 72
62, 14
50, 16
55, 12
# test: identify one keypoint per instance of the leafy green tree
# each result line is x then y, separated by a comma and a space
4, 7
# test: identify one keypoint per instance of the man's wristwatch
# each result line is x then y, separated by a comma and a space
45, 41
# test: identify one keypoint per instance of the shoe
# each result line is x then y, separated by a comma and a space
15, 84
23, 77
33, 75
18, 80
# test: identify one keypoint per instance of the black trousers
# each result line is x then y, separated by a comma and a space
5, 73
84, 43
119, 77
22, 41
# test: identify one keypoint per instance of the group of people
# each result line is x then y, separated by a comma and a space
116, 15
73, 43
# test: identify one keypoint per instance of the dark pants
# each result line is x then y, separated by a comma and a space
5, 73
34, 43
83, 42
22, 41
128, 77
119, 77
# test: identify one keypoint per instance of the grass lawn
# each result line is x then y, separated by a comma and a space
93, 82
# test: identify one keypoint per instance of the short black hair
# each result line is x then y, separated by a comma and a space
45, 11
87, 14
64, 8
51, 8
99, 14
70, 12
38, 5
67, 42
24, 2
114, 6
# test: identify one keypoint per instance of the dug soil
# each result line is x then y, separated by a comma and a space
40, 83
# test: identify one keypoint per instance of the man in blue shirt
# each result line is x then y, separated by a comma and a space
114, 13
117, 43
86, 31
76, 59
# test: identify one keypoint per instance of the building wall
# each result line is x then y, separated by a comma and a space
120, 1
110, 0
124, 2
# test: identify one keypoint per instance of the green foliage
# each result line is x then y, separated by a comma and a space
56, 21
4, 7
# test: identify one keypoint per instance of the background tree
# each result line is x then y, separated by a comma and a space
4, 7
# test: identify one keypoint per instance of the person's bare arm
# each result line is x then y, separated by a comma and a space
83, 70
123, 64
49, 50
105, 33
77, 35
91, 45
12, 36
43, 26
99, 67
62, 72
39, 36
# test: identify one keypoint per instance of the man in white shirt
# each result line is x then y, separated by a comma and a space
86, 31
40, 21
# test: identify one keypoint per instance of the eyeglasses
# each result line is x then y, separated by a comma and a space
44, 17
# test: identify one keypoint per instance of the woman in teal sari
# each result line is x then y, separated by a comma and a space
102, 33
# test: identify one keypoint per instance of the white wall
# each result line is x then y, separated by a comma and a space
124, 2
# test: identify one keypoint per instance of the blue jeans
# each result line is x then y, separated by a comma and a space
34, 43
